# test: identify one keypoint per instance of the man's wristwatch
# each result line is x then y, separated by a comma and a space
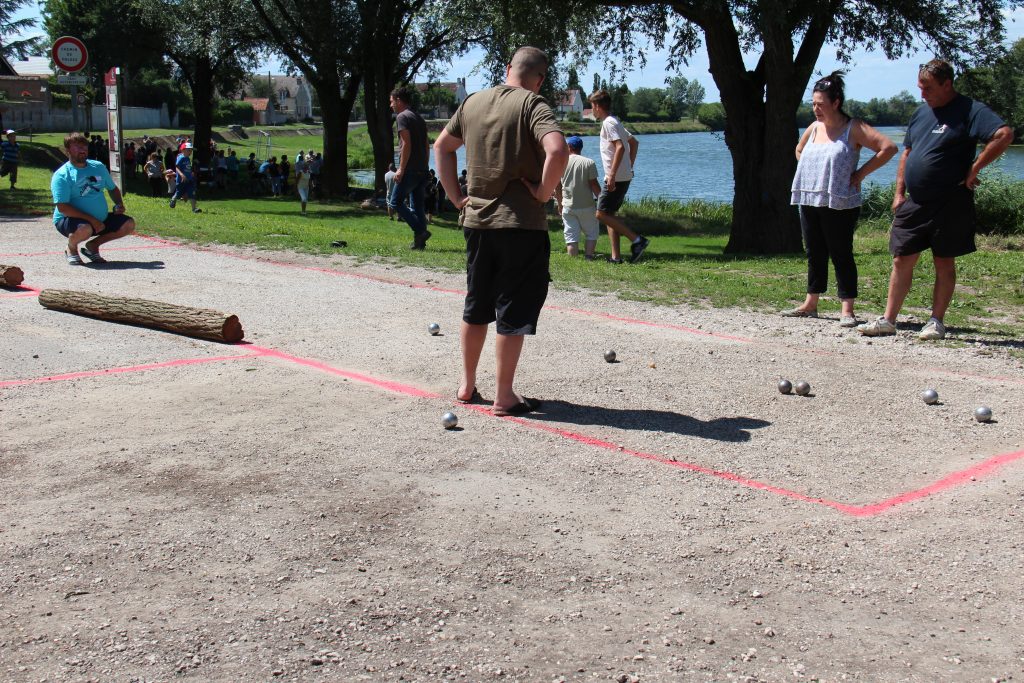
118, 206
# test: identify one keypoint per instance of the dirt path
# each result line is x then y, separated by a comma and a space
292, 509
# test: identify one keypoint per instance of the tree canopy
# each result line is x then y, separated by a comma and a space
13, 42
787, 37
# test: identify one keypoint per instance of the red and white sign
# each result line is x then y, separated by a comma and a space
69, 54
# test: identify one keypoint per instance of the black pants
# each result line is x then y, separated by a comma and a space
829, 233
158, 185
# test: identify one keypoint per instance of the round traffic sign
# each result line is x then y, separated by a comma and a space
69, 54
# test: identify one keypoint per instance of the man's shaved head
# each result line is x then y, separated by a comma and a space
529, 63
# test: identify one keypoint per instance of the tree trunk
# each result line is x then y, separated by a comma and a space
763, 164
11, 276
202, 104
335, 109
193, 322
378, 124
760, 108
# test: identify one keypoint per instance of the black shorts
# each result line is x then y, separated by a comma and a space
946, 227
507, 278
610, 202
113, 223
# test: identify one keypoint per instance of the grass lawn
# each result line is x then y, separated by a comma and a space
685, 262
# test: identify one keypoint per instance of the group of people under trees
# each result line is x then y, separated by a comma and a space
517, 156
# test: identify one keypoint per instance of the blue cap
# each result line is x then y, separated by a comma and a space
574, 141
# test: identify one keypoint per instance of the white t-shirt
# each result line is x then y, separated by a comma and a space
612, 130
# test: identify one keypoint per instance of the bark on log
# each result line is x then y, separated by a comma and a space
193, 322
11, 276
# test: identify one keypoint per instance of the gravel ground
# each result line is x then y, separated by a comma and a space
260, 518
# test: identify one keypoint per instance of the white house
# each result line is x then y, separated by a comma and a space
571, 101
293, 100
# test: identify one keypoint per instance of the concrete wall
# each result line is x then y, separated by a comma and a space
41, 119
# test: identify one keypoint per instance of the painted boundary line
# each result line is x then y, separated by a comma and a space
950, 481
19, 292
26, 254
576, 311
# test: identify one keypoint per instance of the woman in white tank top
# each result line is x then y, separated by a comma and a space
826, 188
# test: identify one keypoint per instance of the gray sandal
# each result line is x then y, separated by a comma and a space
798, 313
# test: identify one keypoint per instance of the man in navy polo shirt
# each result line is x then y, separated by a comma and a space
934, 203
80, 211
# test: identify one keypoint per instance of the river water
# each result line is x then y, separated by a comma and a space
687, 166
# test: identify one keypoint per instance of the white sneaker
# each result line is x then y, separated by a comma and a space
880, 327
933, 329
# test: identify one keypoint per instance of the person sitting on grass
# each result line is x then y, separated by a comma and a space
81, 211
186, 179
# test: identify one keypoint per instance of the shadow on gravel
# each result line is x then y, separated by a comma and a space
733, 429
126, 265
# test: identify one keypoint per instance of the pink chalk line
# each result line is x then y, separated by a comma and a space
387, 385
955, 479
576, 311
19, 292
127, 368
868, 510
105, 250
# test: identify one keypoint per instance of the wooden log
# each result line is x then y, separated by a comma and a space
204, 323
11, 276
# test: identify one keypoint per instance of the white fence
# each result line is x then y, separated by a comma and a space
37, 117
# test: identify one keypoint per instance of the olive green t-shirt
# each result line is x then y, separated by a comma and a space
502, 129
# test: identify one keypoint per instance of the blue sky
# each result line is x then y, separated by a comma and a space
870, 73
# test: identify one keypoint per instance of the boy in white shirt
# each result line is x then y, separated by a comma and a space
618, 172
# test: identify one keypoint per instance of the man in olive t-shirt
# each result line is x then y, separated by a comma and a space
515, 155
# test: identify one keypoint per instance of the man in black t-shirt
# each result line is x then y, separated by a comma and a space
934, 202
413, 170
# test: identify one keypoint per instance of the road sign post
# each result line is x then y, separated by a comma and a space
112, 84
69, 54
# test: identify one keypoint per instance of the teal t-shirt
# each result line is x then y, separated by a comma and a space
82, 188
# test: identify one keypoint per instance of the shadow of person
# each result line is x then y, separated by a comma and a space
733, 429
127, 265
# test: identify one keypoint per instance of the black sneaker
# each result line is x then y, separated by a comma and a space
419, 241
614, 260
638, 248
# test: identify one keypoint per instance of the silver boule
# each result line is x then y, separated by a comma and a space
802, 388
609, 356
785, 386
434, 329
983, 414
930, 396
449, 421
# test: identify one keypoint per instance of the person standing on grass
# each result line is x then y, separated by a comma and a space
516, 154
576, 204
155, 174
81, 211
618, 172
412, 175
302, 182
826, 188
186, 179
389, 185
9, 156
933, 206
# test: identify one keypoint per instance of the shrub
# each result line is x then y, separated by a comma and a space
712, 115
227, 112
573, 116
998, 201
638, 117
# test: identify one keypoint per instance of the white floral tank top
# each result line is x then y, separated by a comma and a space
823, 173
